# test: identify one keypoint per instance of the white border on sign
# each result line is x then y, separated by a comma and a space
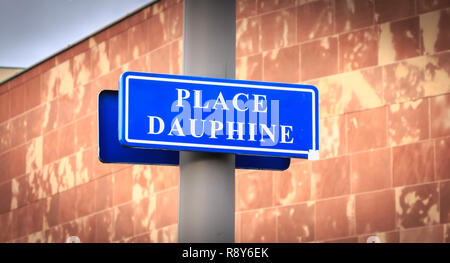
219, 146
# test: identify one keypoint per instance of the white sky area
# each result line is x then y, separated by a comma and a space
32, 30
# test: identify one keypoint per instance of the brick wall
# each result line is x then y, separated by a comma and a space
51, 182
383, 73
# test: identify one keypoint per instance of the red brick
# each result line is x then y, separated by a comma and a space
85, 166
315, 19
144, 215
20, 192
66, 111
245, 8
427, 5
5, 102
66, 140
43, 183
35, 120
67, 205
278, 29
408, 122
50, 116
440, 115
81, 47
353, 14
160, 60
293, 185
296, 223
141, 64
123, 221
32, 93
358, 49
332, 96
5, 137
363, 89
447, 233
333, 141
117, 28
330, 177
4, 167
122, 187
371, 170
166, 208
176, 57
155, 36
282, 65
119, 51
86, 132
435, 40
417, 205
104, 226
57, 81
64, 56
248, 33
104, 193
362, 125
21, 222
5, 197
174, 24
100, 169
50, 147
270, 5
36, 214
442, 159
17, 80
375, 212
86, 229
17, 161
17, 97
100, 60
258, 226
403, 81
444, 195
401, 38
5, 226
82, 69
86, 195
164, 177
52, 214
167, 234
413, 163
249, 68
254, 190
54, 235
33, 72
335, 218
237, 228
144, 238
137, 36
47, 64
319, 58
19, 129
386, 10
432, 234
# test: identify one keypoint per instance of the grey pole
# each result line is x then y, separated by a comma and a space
206, 205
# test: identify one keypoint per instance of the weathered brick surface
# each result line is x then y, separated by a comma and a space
383, 74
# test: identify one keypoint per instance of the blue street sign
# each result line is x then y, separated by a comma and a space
218, 115
110, 150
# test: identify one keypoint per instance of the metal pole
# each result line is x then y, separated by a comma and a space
206, 205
